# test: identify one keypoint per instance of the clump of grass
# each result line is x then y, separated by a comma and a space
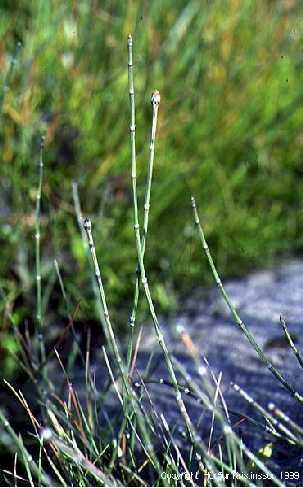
118, 436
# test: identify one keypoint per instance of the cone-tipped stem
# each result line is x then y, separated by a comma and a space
155, 102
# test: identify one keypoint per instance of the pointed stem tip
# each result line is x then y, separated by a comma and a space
155, 98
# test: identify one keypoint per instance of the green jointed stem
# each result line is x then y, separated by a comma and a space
130, 397
190, 428
295, 350
129, 394
281, 415
132, 129
107, 325
155, 102
38, 237
38, 259
193, 436
275, 424
234, 312
80, 220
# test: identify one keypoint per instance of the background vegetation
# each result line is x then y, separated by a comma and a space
230, 132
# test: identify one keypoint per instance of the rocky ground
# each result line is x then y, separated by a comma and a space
206, 327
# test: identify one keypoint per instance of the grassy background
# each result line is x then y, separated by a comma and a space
230, 132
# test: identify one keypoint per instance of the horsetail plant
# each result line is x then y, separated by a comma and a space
80, 220
282, 416
38, 256
291, 343
128, 394
234, 312
132, 130
107, 325
38, 236
193, 436
195, 439
155, 102
274, 425
80, 451
87, 226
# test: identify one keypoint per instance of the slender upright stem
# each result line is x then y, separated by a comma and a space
294, 348
38, 262
79, 216
38, 237
234, 312
155, 102
282, 415
107, 323
275, 425
132, 130
129, 396
194, 438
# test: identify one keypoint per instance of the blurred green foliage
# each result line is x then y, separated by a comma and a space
230, 132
